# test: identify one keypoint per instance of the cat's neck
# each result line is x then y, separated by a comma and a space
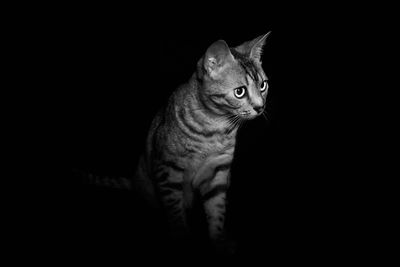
190, 106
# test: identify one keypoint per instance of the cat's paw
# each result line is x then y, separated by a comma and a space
225, 247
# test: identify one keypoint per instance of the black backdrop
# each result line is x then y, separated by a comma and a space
287, 185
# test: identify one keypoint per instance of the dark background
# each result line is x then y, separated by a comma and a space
292, 195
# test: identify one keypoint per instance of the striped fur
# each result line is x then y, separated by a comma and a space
191, 142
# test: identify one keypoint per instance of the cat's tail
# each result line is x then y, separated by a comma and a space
103, 181
140, 184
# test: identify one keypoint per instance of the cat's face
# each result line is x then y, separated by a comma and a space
235, 81
242, 89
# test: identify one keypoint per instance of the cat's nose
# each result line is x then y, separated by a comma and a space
259, 109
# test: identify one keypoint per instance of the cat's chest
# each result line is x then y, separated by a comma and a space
218, 144
210, 151
196, 153
207, 148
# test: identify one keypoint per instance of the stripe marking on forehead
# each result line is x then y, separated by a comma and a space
247, 65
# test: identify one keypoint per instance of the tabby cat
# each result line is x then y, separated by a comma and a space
191, 141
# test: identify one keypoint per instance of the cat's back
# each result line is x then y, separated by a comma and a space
163, 125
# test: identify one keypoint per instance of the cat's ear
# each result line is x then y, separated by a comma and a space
254, 48
217, 57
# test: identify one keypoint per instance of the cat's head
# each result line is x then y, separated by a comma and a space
233, 79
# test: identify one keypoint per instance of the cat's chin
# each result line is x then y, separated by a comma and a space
252, 117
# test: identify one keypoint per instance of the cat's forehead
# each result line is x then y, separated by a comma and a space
246, 66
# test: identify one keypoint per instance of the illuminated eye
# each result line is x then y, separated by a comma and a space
240, 91
264, 86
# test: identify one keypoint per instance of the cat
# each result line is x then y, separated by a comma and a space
191, 141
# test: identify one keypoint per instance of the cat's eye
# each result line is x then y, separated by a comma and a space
240, 91
264, 86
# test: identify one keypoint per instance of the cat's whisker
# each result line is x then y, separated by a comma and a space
235, 123
234, 117
229, 121
265, 116
230, 117
231, 124
241, 123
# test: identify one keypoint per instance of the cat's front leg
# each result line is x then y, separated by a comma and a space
170, 189
214, 198
215, 208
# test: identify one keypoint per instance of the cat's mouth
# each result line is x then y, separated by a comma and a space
247, 115
244, 113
